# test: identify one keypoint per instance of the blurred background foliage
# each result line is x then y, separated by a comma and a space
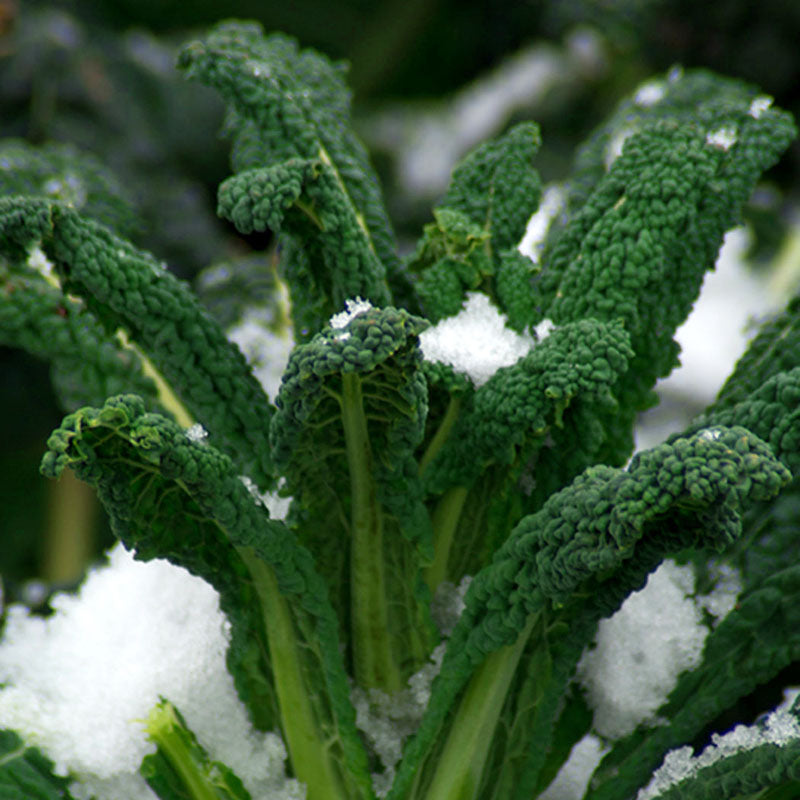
430, 78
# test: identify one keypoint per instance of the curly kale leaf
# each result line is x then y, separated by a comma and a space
694, 97
25, 774
304, 199
477, 225
638, 248
287, 104
764, 772
453, 256
351, 411
497, 187
126, 287
759, 636
772, 411
528, 399
87, 364
516, 290
169, 496
537, 424
530, 613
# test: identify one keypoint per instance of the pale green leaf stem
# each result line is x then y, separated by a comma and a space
311, 756
461, 762
445, 522
374, 664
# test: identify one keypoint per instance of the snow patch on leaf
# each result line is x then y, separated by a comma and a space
476, 341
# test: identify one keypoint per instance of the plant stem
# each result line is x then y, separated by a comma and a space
309, 752
166, 396
460, 764
439, 438
71, 521
165, 729
445, 522
373, 661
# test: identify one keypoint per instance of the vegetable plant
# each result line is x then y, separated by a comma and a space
459, 416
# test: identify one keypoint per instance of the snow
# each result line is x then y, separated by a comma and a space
650, 93
475, 341
543, 329
448, 603
353, 308
723, 138
265, 350
616, 143
640, 651
197, 433
727, 588
573, 777
80, 683
387, 720
274, 502
41, 263
759, 105
429, 141
712, 339
636, 660
550, 206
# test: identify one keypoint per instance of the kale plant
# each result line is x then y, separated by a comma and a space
459, 417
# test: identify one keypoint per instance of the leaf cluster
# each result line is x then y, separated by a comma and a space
404, 475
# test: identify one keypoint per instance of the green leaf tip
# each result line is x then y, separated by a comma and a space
181, 768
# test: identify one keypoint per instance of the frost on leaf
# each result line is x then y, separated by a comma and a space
780, 727
197, 433
550, 207
759, 106
650, 93
723, 138
353, 308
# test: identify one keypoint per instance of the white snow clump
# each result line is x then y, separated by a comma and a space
79, 684
475, 341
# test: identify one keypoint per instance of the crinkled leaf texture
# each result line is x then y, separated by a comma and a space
767, 772
289, 107
759, 637
477, 226
617, 277
87, 364
169, 496
532, 611
126, 287
305, 198
534, 424
640, 244
355, 394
